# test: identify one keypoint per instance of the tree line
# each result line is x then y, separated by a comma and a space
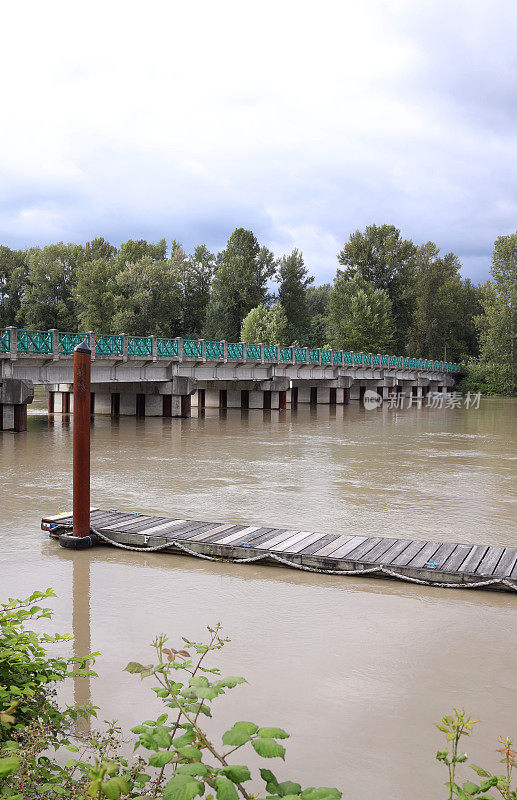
389, 295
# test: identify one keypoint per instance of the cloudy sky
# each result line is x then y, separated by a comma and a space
302, 121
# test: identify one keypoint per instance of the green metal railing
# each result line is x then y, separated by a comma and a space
192, 348
140, 346
68, 341
5, 340
214, 350
235, 351
270, 352
253, 352
167, 348
109, 345
41, 342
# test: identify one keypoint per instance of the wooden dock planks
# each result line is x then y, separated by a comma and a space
431, 561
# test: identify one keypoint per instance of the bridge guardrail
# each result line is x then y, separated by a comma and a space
27, 342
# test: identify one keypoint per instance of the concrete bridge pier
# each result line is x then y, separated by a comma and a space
165, 399
245, 394
15, 394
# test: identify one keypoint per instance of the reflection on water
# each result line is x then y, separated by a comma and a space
356, 670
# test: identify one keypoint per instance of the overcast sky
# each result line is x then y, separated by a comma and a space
302, 121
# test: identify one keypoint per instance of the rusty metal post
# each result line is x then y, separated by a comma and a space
81, 454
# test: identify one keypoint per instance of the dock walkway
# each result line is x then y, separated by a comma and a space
421, 561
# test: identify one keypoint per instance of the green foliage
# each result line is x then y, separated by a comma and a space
149, 298
239, 284
266, 325
27, 673
294, 279
445, 308
381, 257
360, 316
178, 760
456, 726
13, 275
498, 322
49, 295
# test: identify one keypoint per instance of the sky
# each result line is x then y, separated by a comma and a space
301, 121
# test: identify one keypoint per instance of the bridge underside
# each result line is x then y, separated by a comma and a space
171, 389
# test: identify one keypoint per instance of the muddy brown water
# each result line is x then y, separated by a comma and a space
357, 670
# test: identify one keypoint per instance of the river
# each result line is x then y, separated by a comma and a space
357, 670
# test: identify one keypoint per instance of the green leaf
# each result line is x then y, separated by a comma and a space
206, 693
111, 789
133, 667
230, 681
480, 771
185, 738
162, 758
182, 787
199, 681
271, 781
196, 768
239, 734
190, 752
320, 793
8, 766
225, 789
272, 733
470, 788
268, 748
288, 787
237, 774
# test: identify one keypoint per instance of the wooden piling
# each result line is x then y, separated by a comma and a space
81, 446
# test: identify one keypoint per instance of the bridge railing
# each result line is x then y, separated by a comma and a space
25, 343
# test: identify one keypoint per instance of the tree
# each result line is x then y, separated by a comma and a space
132, 251
318, 298
96, 295
294, 279
360, 316
49, 299
13, 275
265, 325
381, 257
498, 323
445, 307
149, 298
198, 270
240, 284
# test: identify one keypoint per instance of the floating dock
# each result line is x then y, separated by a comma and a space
445, 564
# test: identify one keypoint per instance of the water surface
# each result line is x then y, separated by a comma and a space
356, 669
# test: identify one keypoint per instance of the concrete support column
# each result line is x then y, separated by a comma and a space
185, 405
55, 342
346, 396
13, 333
13, 417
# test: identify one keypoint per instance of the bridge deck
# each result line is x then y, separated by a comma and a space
433, 562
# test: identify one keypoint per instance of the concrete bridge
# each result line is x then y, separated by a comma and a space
152, 376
